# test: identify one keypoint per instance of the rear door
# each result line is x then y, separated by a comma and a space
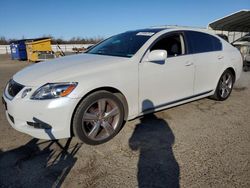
208, 60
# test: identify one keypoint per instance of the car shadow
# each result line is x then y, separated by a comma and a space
153, 138
37, 164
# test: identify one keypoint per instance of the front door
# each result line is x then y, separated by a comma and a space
163, 83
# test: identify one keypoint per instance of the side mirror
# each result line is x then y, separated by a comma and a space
157, 56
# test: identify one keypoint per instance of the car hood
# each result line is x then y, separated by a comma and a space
65, 69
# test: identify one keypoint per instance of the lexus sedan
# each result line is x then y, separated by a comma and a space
92, 95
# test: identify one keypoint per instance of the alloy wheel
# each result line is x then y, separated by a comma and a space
100, 120
226, 85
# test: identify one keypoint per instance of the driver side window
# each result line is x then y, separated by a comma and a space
173, 44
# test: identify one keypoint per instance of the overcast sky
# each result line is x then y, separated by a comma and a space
93, 18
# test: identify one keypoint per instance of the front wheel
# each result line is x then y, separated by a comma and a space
245, 68
98, 118
225, 86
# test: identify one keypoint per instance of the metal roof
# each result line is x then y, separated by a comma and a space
239, 22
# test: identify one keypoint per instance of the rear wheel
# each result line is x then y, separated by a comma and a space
225, 86
98, 118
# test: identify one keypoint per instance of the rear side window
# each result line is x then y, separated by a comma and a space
201, 42
217, 43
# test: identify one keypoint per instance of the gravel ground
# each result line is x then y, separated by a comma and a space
200, 144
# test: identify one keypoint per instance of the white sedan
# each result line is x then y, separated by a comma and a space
91, 95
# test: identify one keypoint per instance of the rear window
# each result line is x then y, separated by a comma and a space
201, 42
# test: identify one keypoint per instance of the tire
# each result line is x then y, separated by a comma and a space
224, 86
98, 118
245, 68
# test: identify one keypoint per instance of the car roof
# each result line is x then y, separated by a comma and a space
156, 29
147, 30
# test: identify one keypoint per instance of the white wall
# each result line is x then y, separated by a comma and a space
68, 47
5, 49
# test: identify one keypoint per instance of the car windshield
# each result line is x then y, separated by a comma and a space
122, 45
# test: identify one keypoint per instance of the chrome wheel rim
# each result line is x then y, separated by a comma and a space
226, 85
101, 119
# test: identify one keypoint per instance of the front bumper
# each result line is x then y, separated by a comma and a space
23, 114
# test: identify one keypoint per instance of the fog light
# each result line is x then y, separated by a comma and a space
26, 92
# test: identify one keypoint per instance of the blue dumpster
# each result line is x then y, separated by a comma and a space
18, 50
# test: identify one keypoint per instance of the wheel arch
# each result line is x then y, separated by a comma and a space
230, 69
233, 72
113, 90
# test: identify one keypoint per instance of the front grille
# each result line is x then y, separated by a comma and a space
14, 88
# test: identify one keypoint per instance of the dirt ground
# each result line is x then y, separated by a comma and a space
200, 144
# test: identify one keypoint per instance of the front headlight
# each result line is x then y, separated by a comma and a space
53, 90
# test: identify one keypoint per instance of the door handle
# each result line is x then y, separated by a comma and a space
188, 63
220, 56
